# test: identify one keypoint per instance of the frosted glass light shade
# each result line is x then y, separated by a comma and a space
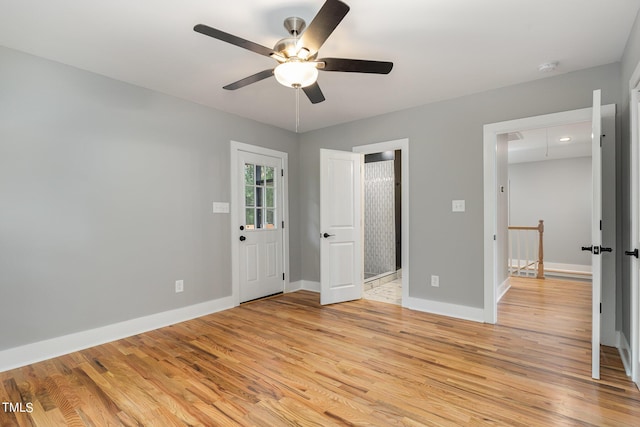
296, 74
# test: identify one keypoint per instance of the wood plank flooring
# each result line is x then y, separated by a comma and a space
289, 361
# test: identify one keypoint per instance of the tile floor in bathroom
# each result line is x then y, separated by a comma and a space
390, 292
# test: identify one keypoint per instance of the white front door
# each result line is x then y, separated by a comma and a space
341, 226
596, 233
260, 216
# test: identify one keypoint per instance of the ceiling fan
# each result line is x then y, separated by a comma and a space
296, 55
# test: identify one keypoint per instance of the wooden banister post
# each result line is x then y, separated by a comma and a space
540, 250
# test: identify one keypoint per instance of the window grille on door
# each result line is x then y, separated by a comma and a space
260, 196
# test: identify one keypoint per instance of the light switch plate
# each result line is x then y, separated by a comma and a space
457, 206
220, 207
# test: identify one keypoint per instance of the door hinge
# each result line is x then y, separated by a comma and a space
600, 225
494, 237
281, 172
282, 224
600, 308
282, 276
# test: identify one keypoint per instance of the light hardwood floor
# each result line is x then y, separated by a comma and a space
289, 361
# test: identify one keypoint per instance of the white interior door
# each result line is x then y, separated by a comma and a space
596, 232
635, 234
341, 226
260, 219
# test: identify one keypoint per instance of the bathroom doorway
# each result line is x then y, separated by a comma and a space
383, 226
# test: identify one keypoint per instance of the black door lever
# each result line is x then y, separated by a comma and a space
587, 248
603, 249
632, 253
325, 235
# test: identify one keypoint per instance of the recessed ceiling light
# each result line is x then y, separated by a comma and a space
565, 139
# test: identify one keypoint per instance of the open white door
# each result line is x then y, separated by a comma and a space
596, 232
634, 240
341, 226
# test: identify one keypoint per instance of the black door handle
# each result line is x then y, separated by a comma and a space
587, 248
242, 238
325, 235
632, 253
603, 249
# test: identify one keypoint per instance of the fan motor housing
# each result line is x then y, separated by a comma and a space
294, 25
289, 47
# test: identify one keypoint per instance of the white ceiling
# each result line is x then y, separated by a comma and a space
536, 145
441, 48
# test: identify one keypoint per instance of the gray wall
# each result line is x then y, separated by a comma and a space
558, 192
446, 163
105, 199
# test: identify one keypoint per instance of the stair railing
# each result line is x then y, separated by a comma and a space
524, 242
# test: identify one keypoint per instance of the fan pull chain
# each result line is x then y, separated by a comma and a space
295, 35
546, 154
297, 108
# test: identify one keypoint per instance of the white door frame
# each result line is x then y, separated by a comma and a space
491, 132
403, 146
634, 111
235, 224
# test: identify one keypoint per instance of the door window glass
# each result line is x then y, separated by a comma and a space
260, 196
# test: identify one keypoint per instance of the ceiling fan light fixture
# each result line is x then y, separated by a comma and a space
295, 73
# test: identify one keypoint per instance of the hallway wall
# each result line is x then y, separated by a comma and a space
558, 192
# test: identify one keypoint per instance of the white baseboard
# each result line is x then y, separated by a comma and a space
579, 271
574, 268
434, 307
503, 289
445, 309
625, 352
308, 285
293, 286
574, 271
36, 352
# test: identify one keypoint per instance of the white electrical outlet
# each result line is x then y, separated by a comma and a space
435, 281
179, 286
457, 206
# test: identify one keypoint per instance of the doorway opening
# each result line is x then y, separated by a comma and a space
495, 205
549, 175
382, 226
549, 179
389, 165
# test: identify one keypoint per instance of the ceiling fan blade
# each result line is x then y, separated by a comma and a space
321, 27
314, 93
234, 40
248, 80
356, 65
